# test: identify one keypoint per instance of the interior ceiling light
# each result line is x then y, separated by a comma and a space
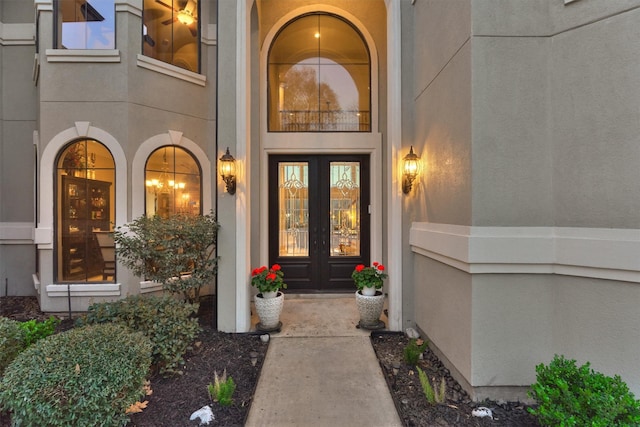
185, 16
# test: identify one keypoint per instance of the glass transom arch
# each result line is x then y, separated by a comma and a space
319, 77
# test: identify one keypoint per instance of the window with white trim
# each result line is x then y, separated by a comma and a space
172, 183
85, 24
171, 32
85, 212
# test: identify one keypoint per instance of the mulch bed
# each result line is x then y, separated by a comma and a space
174, 399
412, 406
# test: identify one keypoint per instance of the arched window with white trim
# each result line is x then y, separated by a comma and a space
319, 77
85, 212
172, 183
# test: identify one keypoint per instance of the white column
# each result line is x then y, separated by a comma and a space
243, 122
394, 146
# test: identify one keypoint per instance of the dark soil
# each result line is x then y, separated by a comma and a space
174, 399
410, 401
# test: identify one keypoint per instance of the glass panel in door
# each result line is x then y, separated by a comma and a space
345, 208
293, 217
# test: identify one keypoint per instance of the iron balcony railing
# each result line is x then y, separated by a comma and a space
325, 121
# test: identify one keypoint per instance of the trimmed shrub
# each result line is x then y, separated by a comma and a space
35, 330
168, 323
84, 377
11, 341
178, 251
572, 396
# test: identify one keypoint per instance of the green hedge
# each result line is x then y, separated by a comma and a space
170, 324
88, 376
11, 341
568, 395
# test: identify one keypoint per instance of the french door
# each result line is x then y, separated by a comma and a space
319, 227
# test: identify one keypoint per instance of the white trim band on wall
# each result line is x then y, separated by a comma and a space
17, 34
16, 233
612, 254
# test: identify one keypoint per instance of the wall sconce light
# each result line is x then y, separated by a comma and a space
409, 171
228, 171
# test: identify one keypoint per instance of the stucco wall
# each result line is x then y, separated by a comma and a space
444, 312
513, 322
597, 321
512, 156
18, 104
442, 113
595, 121
554, 140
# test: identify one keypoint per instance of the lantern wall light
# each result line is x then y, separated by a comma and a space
227, 168
409, 170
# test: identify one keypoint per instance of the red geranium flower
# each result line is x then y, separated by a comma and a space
268, 279
368, 277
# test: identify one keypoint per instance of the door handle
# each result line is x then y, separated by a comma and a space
315, 238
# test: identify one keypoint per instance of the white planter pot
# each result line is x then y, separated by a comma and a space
268, 295
268, 310
370, 309
369, 291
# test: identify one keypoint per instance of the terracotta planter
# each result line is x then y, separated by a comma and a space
370, 309
268, 310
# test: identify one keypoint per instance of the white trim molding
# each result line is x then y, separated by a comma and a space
17, 34
209, 35
148, 286
83, 55
16, 233
84, 290
171, 70
603, 253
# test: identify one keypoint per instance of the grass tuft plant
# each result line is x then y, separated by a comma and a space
568, 395
222, 389
413, 350
431, 393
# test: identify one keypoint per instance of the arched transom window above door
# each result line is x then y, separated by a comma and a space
319, 77
172, 183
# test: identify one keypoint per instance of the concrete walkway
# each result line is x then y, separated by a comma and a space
321, 372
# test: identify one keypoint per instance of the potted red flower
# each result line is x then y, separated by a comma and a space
269, 300
268, 281
369, 279
369, 300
